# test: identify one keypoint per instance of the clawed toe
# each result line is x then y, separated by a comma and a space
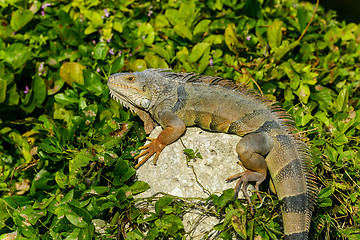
243, 182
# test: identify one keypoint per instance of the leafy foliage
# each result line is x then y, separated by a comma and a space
67, 150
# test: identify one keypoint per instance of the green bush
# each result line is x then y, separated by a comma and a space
67, 149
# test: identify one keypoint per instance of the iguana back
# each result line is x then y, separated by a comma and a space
177, 100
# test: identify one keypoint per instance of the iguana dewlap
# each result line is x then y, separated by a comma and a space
177, 100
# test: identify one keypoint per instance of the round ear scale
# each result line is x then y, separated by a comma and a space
145, 103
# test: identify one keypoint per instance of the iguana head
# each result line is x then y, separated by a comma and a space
138, 89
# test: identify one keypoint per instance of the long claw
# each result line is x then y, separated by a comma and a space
258, 191
154, 147
234, 177
142, 154
243, 182
156, 158
142, 161
145, 146
237, 188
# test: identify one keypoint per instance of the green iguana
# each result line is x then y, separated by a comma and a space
176, 100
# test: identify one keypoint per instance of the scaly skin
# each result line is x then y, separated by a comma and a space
178, 100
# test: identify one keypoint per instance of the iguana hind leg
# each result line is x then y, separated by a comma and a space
252, 150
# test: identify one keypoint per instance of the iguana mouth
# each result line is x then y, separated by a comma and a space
123, 100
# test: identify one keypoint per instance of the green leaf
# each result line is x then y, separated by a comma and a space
5, 75
90, 29
93, 82
17, 55
198, 50
173, 16
13, 96
303, 92
4, 213
239, 224
183, 31
138, 65
39, 90
227, 196
342, 100
154, 61
25, 228
42, 180
20, 18
274, 34
231, 39
81, 160
96, 20
100, 51
98, 190
5, 29
202, 27
187, 12
302, 18
147, 33
72, 72
284, 49
139, 187
61, 179
49, 148
3, 87
117, 64
33, 215
77, 216
322, 117
252, 8
118, 26
68, 97
161, 203
323, 97
161, 52
122, 171
161, 21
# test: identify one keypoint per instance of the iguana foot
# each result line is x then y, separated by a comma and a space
243, 182
155, 147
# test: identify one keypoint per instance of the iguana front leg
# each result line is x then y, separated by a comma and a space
173, 126
252, 150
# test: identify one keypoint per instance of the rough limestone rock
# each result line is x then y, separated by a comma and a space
172, 175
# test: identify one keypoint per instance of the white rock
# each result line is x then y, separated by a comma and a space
172, 175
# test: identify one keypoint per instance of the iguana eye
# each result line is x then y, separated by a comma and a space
130, 78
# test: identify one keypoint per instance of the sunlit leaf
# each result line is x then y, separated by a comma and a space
93, 82
138, 65
231, 39
78, 216
154, 61
139, 187
72, 72
101, 50
118, 64
5, 29
198, 51
342, 99
183, 31
17, 55
3, 89
274, 33
202, 27
20, 18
